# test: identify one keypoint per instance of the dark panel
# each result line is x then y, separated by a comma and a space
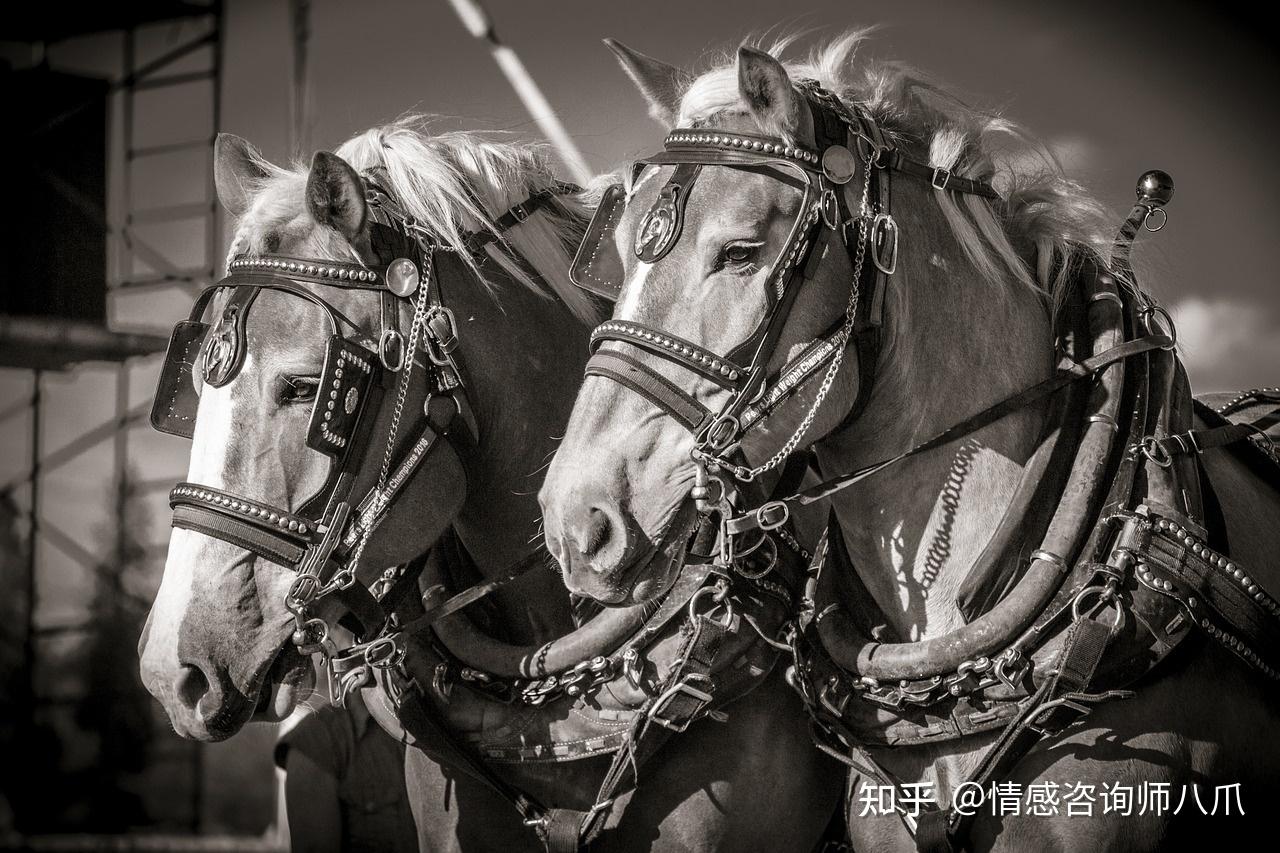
55, 21
53, 218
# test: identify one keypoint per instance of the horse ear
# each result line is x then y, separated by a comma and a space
660, 83
335, 196
766, 88
236, 165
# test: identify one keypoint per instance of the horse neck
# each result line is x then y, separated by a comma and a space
954, 344
522, 357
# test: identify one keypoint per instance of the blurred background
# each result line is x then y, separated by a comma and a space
111, 227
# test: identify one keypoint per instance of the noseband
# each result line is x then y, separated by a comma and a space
323, 539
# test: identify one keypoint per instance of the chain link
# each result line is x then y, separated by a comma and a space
846, 333
379, 503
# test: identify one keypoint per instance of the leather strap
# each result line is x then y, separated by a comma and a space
1060, 701
652, 385
940, 179
989, 415
517, 214
1200, 440
686, 353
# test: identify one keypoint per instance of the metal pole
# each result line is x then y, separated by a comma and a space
33, 536
480, 25
300, 106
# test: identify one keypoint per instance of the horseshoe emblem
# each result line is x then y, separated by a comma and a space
658, 231
220, 356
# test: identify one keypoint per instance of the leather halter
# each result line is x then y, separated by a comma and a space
321, 541
824, 217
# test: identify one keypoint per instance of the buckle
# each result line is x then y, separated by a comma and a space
886, 227
664, 698
520, 212
773, 515
941, 177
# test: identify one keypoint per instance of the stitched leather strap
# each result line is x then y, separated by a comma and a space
653, 386
686, 353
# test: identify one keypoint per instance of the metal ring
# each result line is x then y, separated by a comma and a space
829, 205
871, 153
302, 591
722, 600
389, 335
1151, 213
719, 444
886, 224
769, 566
1155, 452
769, 508
383, 653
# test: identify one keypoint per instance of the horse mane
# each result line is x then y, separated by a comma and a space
1046, 224
453, 183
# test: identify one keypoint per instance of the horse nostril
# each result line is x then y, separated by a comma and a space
192, 685
598, 532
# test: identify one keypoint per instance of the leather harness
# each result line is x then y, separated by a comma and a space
1099, 603
322, 539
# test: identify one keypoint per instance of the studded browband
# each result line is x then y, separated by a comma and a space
884, 157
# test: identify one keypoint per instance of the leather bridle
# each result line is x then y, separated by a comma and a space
828, 216
323, 539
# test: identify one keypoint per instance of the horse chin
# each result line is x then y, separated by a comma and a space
288, 683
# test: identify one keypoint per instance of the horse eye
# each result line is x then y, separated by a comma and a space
298, 389
738, 254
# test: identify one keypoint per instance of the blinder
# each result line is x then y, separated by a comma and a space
350, 370
174, 410
597, 266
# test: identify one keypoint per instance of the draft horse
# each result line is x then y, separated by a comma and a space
379, 378
1046, 567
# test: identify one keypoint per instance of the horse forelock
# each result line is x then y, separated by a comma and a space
1036, 236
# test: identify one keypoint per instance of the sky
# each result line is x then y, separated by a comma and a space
1114, 90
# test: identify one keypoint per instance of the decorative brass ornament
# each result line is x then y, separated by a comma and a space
839, 164
403, 277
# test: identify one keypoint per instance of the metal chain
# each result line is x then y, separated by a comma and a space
846, 333
402, 389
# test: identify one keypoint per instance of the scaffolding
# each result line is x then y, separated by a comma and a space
162, 247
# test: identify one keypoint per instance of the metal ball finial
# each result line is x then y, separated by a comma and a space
1155, 188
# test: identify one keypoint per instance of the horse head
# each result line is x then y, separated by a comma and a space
332, 354
703, 249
